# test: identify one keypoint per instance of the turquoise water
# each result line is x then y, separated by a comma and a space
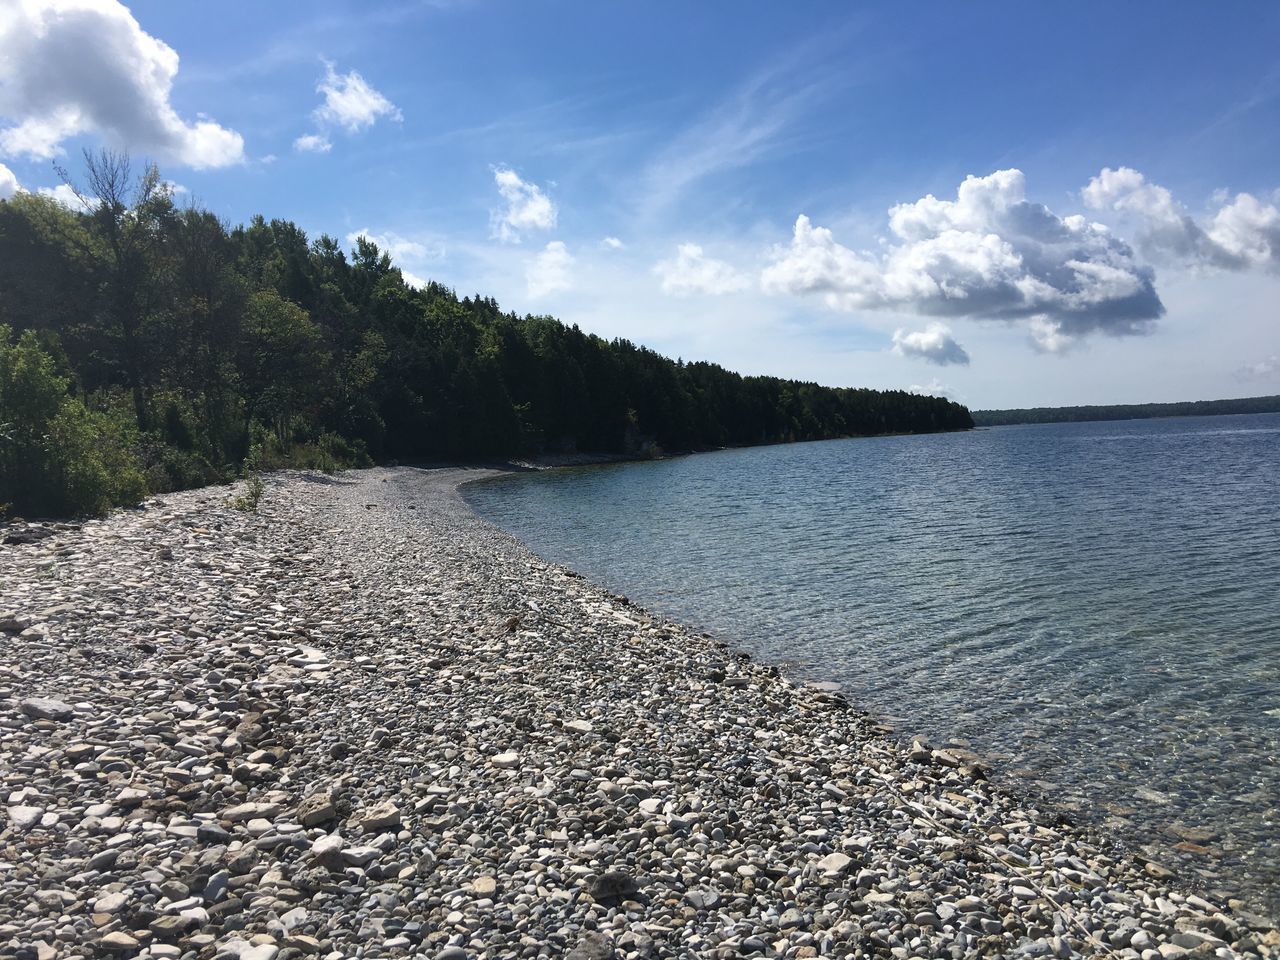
1094, 608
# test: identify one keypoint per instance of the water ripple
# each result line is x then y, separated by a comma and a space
1094, 605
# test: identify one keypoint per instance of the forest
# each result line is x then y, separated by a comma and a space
1127, 411
147, 346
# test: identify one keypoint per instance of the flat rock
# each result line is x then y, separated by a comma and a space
24, 817
378, 817
835, 863
118, 942
244, 812
46, 708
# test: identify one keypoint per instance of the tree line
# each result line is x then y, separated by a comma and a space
148, 346
1127, 411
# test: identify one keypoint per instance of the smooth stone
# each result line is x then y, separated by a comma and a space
23, 817
46, 708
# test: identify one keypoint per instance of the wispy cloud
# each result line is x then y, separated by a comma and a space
313, 143
528, 207
752, 122
548, 272
349, 104
1266, 369
691, 271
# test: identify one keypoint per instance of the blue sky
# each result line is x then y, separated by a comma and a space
643, 170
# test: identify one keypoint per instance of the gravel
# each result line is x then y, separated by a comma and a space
363, 723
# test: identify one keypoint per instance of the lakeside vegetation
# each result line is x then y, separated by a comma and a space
1126, 411
147, 347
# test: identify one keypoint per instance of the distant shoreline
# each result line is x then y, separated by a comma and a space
1126, 411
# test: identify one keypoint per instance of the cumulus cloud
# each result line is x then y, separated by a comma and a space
8, 183
691, 271
549, 270
1243, 233
66, 196
528, 208
1049, 336
612, 243
87, 66
933, 344
1265, 369
350, 103
313, 143
988, 254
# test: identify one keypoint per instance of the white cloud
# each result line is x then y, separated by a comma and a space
350, 103
67, 197
691, 271
407, 254
528, 208
934, 388
989, 254
313, 143
612, 243
548, 272
87, 66
1248, 232
8, 183
1265, 369
399, 248
1048, 336
1244, 233
933, 344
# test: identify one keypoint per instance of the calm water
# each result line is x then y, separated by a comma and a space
1093, 607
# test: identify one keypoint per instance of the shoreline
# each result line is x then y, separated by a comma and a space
1016, 783
1026, 785
391, 727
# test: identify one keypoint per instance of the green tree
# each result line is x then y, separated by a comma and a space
57, 457
283, 362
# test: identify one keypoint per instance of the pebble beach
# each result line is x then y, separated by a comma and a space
362, 722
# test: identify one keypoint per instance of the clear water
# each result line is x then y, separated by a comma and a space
1094, 608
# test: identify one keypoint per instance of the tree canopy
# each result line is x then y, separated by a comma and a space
203, 342
1127, 411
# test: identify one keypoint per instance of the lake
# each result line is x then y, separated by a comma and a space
1094, 607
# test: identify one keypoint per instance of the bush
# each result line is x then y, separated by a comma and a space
57, 457
169, 469
329, 452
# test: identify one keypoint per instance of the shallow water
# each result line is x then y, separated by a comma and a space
1094, 607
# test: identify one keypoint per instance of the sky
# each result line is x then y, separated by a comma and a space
1009, 204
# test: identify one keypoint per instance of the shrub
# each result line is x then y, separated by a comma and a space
57, 457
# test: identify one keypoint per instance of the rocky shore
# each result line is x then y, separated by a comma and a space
361, 722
